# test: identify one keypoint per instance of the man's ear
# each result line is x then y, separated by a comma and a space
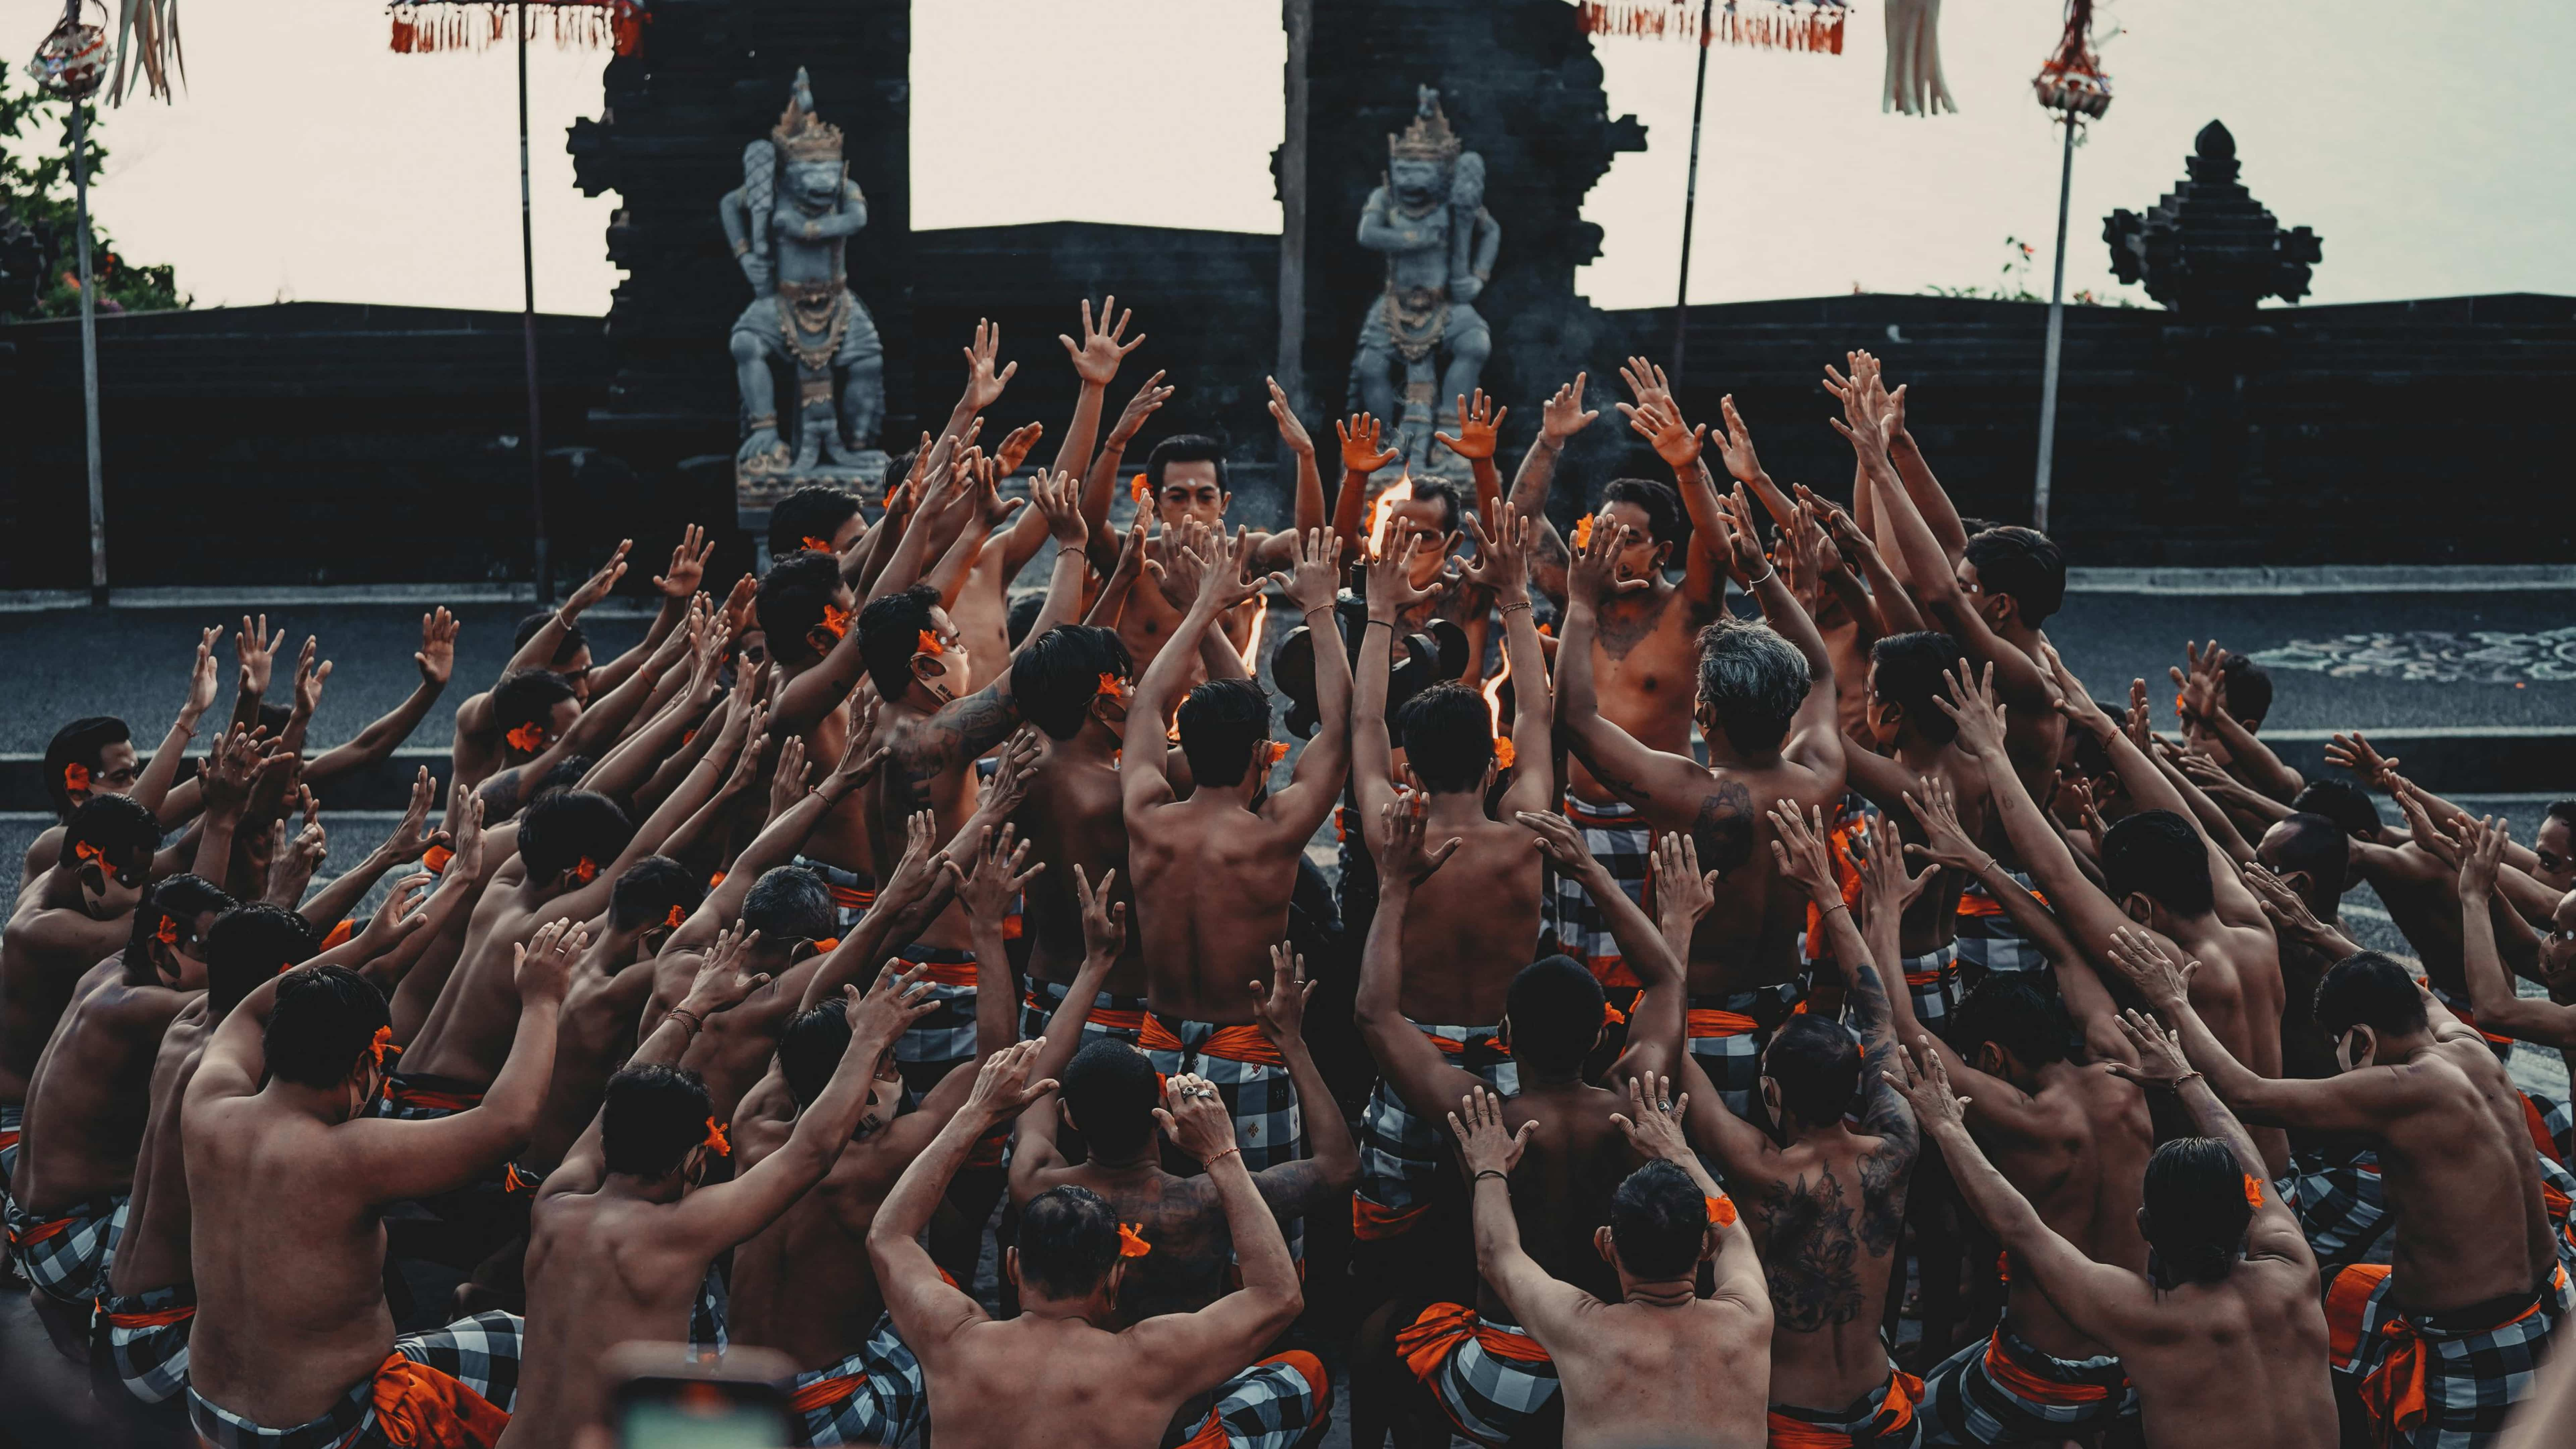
1601, 1245
1011, 1266
1663, 555
2299, 882
1708, 1242
2137, 906
1064, 1110
1990, 1059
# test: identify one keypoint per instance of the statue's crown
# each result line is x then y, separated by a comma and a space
1428, 138
801, 135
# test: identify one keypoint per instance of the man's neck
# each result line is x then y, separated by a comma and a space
1723, 756
1093, 744
327, 1105
1919, 755
2051, 1076
2190, 930
1087, 1311
1535, 1082
636, 1188
1658, 1292
1457, 807
2398, 1050
1145, 1161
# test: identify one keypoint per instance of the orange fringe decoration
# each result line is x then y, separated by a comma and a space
426, 27
1815, 26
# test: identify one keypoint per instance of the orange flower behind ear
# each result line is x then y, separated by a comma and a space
1131, 1242
435, 859
75, 776
827, 945
929, 643
2253, 1191
675, 918
91, 851
1612, 1016
1504, 754
528, 738
836, 621
817, 545
383, 1042
1278, 751
167, 933
1112, 687
716, 1142
585, 870
1721, 1211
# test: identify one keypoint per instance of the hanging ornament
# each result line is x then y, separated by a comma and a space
147, 38
1915, 85
1810, 25
432, 26
71, 60
2072, 80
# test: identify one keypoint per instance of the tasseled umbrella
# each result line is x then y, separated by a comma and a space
1813, 25
445, 25
1915, 85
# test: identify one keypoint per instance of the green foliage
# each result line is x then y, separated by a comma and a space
39, 243
2013, 282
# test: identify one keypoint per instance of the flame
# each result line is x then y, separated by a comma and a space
1400, 491
1252, 644
1494, 693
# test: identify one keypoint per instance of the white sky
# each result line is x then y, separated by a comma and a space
2423, 142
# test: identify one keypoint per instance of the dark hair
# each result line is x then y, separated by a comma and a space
650, 889
2024, 563
789, 903
1111, 1089
122, 828
1448, 737
890, 633
1023, 617
574, 640
1661, 503
2312, 843
792, 596
1817, 1064
528, 697
2562, 811
247, 945
82, 743
1658, 1222
325, 1019
2196, 1208
1555, 1011
2160, 855
1057, 676
559, 831
1184, 448
1068, 1241
178, 899
1908, 675
816, 510
2351, 809
2014, 1015
811, 1048
1752, 680
275, 717
1223, 725
2368, 989
2248, 688
1445, 493
650, 1118
565, 774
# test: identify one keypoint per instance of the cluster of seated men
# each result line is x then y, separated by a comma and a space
1766, 940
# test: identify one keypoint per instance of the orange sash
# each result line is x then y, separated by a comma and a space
418, 1407
1243, 1044
825, 1392
339, 936
1975, 903
39, 1233
1212, 1435
157, 1318
1923, 978
404, 1095
2539, 1128
944, 973
1897, 1411
2008, 1371
1103, 1016
2392, 1394
1371, 1223
1497, 1046
851, 898
2347, 1300
1702, 1022
1439, 1329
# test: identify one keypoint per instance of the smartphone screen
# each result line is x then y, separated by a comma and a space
704, 1416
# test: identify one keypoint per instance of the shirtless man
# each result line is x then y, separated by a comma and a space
148, 1301
68, 920
1918, 742
605, 998
623, 1233
1989, 593
1658, 1364
1062, 1367
1645, 645
2159, 873
1474, 923
1480, 1365
289, 1174
1826, 1197
89, 1093
96, 756
1213, 873
2443, 1339
2223, 1342
2070, 1138
1766, 705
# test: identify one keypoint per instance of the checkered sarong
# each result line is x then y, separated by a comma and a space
68, 1254
10, 1118
481, 1353
1619, 838
147, 1335
1932, 979
2439, 1381
1883, 1418
1113, 1017
1400, 1151
1988, 938
1257, 1090
1283, 1402
1727, 1034
2340, 1206
1492, 1379
875, 1396
853, 892
943, 1041
2003, 1391
707, 1315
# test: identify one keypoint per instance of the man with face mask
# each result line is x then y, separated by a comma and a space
288, 1176
623, 1232
2444, 1338
85, 1099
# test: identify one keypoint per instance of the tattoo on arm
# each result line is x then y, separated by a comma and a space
1884, 1115
979, 721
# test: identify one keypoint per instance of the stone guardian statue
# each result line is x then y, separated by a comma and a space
1428, 215
789, 224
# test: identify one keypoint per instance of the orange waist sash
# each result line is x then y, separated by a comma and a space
157, 1318
944, 973
1903, 1389
1104, 1016
1438, 1331
1707, 1021
419, 1407
1243, 1044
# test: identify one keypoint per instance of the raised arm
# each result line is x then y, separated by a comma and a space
1361, 457
2275, 1230
1660, 423
1487, 1153
1653, 1126
1100, 481
152, 788
1637, 773
928, 1310
1197, 1351
1502, 564
1390, 593
1559, 420
1480, 425
1059, 502
1798, 847
1312, 511
1815, 733
1655, 1023
1315, 784
1311, 1183
1423, 1079
2491, 993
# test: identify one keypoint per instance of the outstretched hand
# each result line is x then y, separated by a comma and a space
2152, 970
1564, 415
1002, 1085
1925, 1085
1279, 1008
1360, 451
1097, 355
1800, 847
1483, 1143
1196, 1120
1104, 917
1480, 426
1653, 1121
1401, 855
1683, 893
2158, 1048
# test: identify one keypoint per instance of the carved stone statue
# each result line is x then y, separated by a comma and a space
1429, 217
790, 222
2209, 250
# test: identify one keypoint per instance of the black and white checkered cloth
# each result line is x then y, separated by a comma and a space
481, 1352
1990, 941
151, 1358
1039, 1006
2473, 1372
1283, 1402
941, 1042
2004, 1392
1619, 838
1731, 1053
1400, 1150
875, 1396
67, 1254
1493, 1396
